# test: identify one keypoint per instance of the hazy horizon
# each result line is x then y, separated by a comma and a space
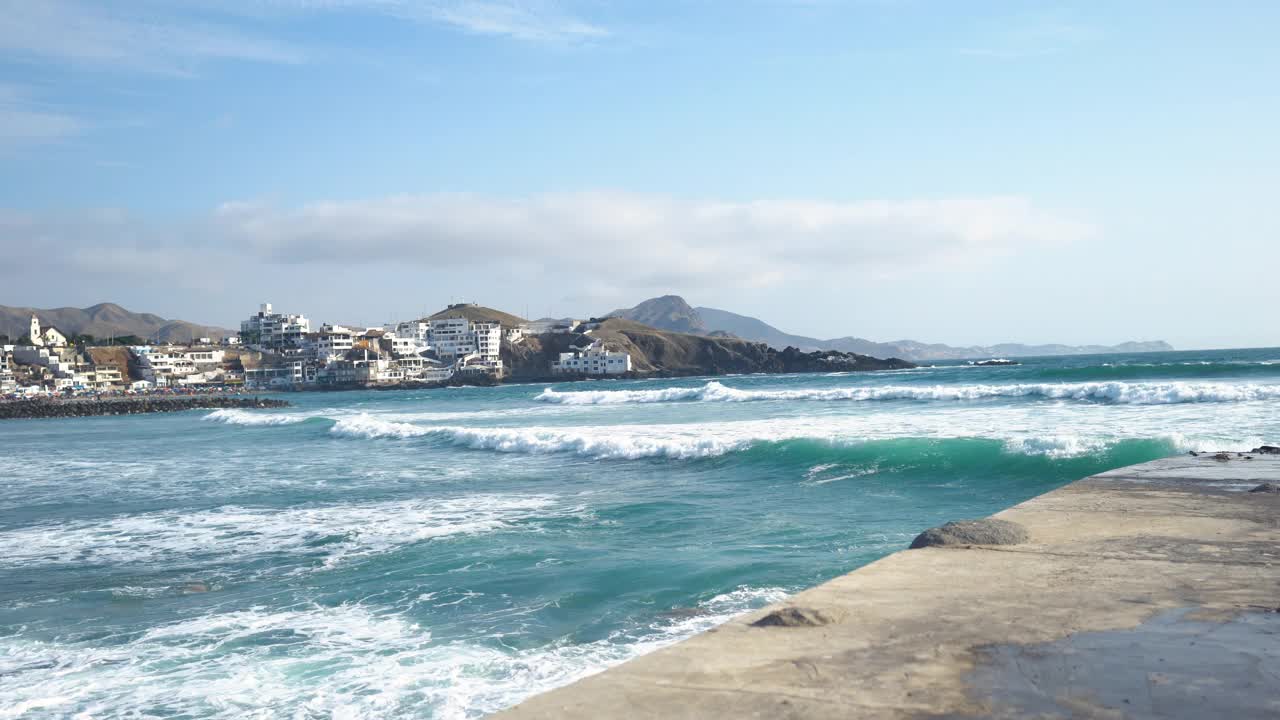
1065, 173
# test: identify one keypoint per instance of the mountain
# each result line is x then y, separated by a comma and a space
671, 312
105, 320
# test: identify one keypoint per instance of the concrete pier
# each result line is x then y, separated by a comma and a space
1151, 591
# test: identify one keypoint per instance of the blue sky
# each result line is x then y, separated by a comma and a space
949, 172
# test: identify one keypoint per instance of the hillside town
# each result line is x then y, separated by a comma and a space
285, 351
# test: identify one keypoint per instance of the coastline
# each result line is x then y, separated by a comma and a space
1148, 590
91, 406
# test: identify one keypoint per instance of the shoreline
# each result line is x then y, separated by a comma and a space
95, 407
1143, 591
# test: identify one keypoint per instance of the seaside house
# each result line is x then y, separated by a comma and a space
592, 360
332, 342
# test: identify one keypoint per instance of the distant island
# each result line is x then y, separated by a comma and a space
671, 312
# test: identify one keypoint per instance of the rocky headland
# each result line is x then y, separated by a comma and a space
663, 353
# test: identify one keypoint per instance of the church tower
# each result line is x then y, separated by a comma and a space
35, 332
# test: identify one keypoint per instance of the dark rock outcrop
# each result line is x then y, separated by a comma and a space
1267, 450
795, 617
972, 532
1267, 488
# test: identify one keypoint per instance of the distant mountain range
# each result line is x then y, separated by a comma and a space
105, 320
671, 312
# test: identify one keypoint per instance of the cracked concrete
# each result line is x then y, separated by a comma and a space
1119, 568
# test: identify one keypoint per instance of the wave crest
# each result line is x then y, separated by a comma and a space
234, 416
369, 427
1120, 393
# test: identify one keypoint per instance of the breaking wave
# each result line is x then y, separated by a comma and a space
368, 426
233, 416
326, 534
604, 445
314, 661
765, 440
1120, 393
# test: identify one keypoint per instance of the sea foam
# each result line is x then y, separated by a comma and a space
602, 445
331, 533
315, 661
368, 426
233, 416
1120, 393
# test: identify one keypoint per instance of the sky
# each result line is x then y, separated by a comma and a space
958, 172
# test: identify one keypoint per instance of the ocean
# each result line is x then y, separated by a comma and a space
446, 553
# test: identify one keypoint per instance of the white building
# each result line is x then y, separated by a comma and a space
402, 346
171, 365
206, 357
50, 337
474, 344
274, 330
333, 342
419, 330
592, 361
50, 358
7, 383
268, 377
452, 337
488, 341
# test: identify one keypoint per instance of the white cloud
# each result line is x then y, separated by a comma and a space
629, 241
523, 20
139, 36
532, 20
175, 38
23, 121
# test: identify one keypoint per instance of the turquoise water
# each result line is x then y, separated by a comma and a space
447, 553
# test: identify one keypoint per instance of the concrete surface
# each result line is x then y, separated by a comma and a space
1149, 591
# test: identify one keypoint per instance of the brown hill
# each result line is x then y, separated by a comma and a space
105, 320
479, 313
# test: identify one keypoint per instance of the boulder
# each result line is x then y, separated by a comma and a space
1267, 450
972, 532
1266, 488
795, 617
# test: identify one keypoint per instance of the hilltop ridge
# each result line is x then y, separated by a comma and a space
478, 313
105, 320
672, 312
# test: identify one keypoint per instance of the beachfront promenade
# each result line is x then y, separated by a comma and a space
1149, 591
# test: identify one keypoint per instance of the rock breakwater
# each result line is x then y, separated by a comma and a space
87, 407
